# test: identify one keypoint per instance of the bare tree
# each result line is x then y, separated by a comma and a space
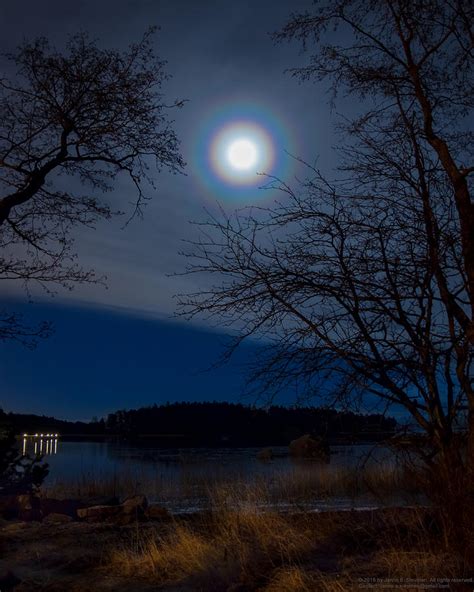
365, 283
13, 328
414, 61
71, 119
342, 288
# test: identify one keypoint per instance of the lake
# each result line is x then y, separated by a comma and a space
191, 479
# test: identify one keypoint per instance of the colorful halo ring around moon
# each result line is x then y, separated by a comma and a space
241, 123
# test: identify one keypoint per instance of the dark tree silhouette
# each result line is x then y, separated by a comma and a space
218, 423
14, 328
71, 119
414, 61
18, 474
367, 282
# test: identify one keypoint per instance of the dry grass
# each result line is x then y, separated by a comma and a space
302, 485
243, 542
270, 552
416, 564
180, 553
291, 579
216, 551
236, 549
258, 535
319, 482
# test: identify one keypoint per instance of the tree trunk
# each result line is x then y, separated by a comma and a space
451, 488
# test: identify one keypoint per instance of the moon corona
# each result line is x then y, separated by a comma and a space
242, 154
239, 151
236, 146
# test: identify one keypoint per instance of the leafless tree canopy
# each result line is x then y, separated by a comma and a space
70, 123
413, 61
13, 328
368, 280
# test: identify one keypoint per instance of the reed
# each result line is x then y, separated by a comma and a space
241, 547
224, 548
302, 485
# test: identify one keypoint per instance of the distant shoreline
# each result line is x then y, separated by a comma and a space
214, 425
185, 441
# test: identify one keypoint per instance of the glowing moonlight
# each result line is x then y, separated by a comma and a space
237, 153
242, 154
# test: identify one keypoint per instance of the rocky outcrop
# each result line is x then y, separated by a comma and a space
309, 447
99, 513
28, 507
135, 505
57, 511
55, 518
99, 500
131, 509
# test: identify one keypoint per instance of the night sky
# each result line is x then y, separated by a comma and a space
121, 347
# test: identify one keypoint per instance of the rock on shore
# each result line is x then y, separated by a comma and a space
30, 508
309, 447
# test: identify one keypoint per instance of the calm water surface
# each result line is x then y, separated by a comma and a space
192, 478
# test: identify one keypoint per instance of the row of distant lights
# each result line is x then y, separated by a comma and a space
51, 441
40, 435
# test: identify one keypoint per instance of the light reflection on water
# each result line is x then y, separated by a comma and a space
190, 479
40, 444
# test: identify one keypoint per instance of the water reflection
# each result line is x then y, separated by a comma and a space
193, 479
40, 444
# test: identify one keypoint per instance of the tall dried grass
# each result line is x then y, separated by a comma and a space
291, 579
217, 550
302, 485
271, 552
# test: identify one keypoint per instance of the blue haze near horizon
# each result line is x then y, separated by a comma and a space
99, 360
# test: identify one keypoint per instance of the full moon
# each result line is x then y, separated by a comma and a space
242, 154
232, 153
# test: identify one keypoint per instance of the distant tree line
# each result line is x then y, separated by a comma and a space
30, 423
209, 423
216, 423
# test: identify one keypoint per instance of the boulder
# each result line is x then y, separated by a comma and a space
309, 447
70, 507
99, 500
132, 508
99, 513
135, 505
55, 518
15, 528
157, 512
265, 454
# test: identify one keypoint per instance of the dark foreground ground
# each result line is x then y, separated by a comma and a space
234, 551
